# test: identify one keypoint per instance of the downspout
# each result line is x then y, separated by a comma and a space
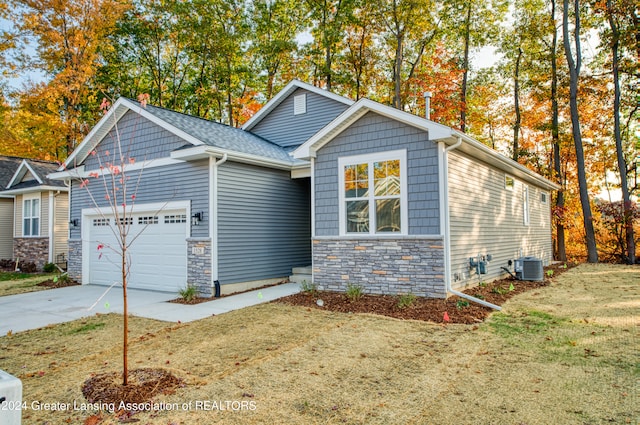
447, 233
50, 225
213, 222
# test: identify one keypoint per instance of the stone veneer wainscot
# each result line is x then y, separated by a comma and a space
74, 262
31, 250
199, 265
383, 265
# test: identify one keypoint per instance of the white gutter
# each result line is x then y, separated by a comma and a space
447, 232
213, 208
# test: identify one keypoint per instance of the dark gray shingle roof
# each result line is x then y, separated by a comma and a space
8, 166
221, 136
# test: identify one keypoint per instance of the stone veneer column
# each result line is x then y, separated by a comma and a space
199, 265
31, 250
74, 260
381, 265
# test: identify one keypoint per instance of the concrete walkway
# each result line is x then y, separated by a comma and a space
37, 309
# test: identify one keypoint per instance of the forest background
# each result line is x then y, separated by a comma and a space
566, 111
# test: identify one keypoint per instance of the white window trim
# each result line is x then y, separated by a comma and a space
544, 195
400, 155
30, 197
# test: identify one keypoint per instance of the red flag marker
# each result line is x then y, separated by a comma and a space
445, 317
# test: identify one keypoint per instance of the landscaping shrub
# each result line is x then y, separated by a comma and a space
49, 268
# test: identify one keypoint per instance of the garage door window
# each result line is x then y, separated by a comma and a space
97, 222
175, 218
148, 220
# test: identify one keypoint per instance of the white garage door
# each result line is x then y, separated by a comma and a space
158, 256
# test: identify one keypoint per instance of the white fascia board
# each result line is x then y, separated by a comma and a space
35, 189
73, 173
284, 93
97, 133
437, 132
82, 173
300, 172
308, 149
205, 151
480, 151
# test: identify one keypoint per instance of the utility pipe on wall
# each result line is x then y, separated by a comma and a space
447, 235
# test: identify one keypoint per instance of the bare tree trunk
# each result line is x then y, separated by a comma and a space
561, 250
574, 73
622, 164
516, 96
125, 312
397, 72
465, 67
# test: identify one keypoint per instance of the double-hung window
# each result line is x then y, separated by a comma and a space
31, 216
373, 194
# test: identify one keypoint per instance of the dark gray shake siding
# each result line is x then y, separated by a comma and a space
284, 128
139, 138
388, 264
264, 223
375, 133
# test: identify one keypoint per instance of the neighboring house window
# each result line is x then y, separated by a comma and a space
543, 197
509, 182
300, 104
31, 216
378, 211
525, 204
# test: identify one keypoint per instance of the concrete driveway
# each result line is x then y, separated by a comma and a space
37, 309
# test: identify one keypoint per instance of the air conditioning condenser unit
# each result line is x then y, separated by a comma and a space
529, 268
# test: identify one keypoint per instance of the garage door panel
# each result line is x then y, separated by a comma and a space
157, 255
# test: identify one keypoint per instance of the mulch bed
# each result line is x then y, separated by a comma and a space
59, 284
457, 309
142, 386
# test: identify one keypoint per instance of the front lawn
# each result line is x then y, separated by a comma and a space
565, 353
12, 283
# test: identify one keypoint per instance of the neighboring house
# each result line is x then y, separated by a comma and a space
242, 207
40, 213
8, 166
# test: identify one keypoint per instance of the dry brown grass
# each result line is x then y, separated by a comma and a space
21, 286
567, 353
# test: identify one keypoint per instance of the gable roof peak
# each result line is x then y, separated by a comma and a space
284, 94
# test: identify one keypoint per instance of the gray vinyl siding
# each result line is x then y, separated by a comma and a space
487, 218
264, 223
370, 134
179, 182
61, 224
140, 139
284, 128
6, 228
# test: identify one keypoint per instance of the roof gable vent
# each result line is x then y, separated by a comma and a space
300, 104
